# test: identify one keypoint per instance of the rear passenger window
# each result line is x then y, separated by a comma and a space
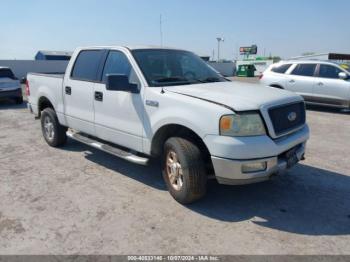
281, 69
328, 71
304, 70
87, 64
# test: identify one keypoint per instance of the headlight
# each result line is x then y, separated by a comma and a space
246, 124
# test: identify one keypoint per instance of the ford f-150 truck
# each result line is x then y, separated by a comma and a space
140, 103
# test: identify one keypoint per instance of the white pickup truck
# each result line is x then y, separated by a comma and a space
142, 102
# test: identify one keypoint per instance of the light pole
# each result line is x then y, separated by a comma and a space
220, 39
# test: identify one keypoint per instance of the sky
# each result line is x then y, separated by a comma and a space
283, 28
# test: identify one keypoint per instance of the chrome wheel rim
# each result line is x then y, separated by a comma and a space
49, 128
174, 170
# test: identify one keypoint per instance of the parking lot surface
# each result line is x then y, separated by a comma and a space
77, 200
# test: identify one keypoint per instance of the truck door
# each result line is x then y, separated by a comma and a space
119, 114
301, 80
329, 88
78, 90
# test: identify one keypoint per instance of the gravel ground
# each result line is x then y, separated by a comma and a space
77, 200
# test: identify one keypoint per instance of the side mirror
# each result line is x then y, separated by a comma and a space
343, 75
116, 82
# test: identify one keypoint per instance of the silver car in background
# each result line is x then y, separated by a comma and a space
319, 82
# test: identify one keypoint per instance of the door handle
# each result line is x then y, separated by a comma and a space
292, 81
98, 96
68, 90
320, 84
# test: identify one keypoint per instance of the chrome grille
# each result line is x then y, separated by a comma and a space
286, 118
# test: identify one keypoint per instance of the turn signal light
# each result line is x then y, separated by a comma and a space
225, 123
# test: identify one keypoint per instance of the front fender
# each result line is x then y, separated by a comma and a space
202, 117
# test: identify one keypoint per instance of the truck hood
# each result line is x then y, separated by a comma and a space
236, 95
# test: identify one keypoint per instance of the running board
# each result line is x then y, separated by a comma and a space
129, 156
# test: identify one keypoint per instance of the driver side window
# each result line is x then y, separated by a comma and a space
118, 63
328, 71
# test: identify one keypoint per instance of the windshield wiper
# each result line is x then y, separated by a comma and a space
183, 80
171, 79
207, 80
211, 79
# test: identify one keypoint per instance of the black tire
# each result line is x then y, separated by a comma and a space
59, 136
194, 177
19, 100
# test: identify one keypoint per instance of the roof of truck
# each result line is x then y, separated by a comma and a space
134, 47
4, 67
150, 47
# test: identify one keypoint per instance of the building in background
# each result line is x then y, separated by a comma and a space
260, 64
205, 58
45, 62
250, 64
226, 68
53, 55
21, 67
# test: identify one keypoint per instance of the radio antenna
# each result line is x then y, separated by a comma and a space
161, 30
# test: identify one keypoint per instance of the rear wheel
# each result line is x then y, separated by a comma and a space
53, 132
184, 170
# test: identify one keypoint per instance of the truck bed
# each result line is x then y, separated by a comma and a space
54, 74
48, 84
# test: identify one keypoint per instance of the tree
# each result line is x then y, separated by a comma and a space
274, 58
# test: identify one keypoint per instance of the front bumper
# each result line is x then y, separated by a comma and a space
232, 154
10, 93
230, 172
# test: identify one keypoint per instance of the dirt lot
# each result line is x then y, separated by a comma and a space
79, 200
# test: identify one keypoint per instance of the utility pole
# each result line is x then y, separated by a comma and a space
220, 39
161, 30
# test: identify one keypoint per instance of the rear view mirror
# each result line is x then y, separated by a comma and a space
116, 82
343, 75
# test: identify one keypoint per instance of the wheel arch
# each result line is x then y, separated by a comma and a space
44, 102
177, 130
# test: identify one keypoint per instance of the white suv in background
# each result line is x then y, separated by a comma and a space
319, 82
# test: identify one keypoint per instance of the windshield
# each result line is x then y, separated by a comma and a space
346, 67
6, 73
165, 67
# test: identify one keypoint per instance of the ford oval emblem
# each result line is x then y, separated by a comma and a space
292, 116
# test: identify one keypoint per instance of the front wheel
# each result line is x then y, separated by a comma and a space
53, 132
184, 170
